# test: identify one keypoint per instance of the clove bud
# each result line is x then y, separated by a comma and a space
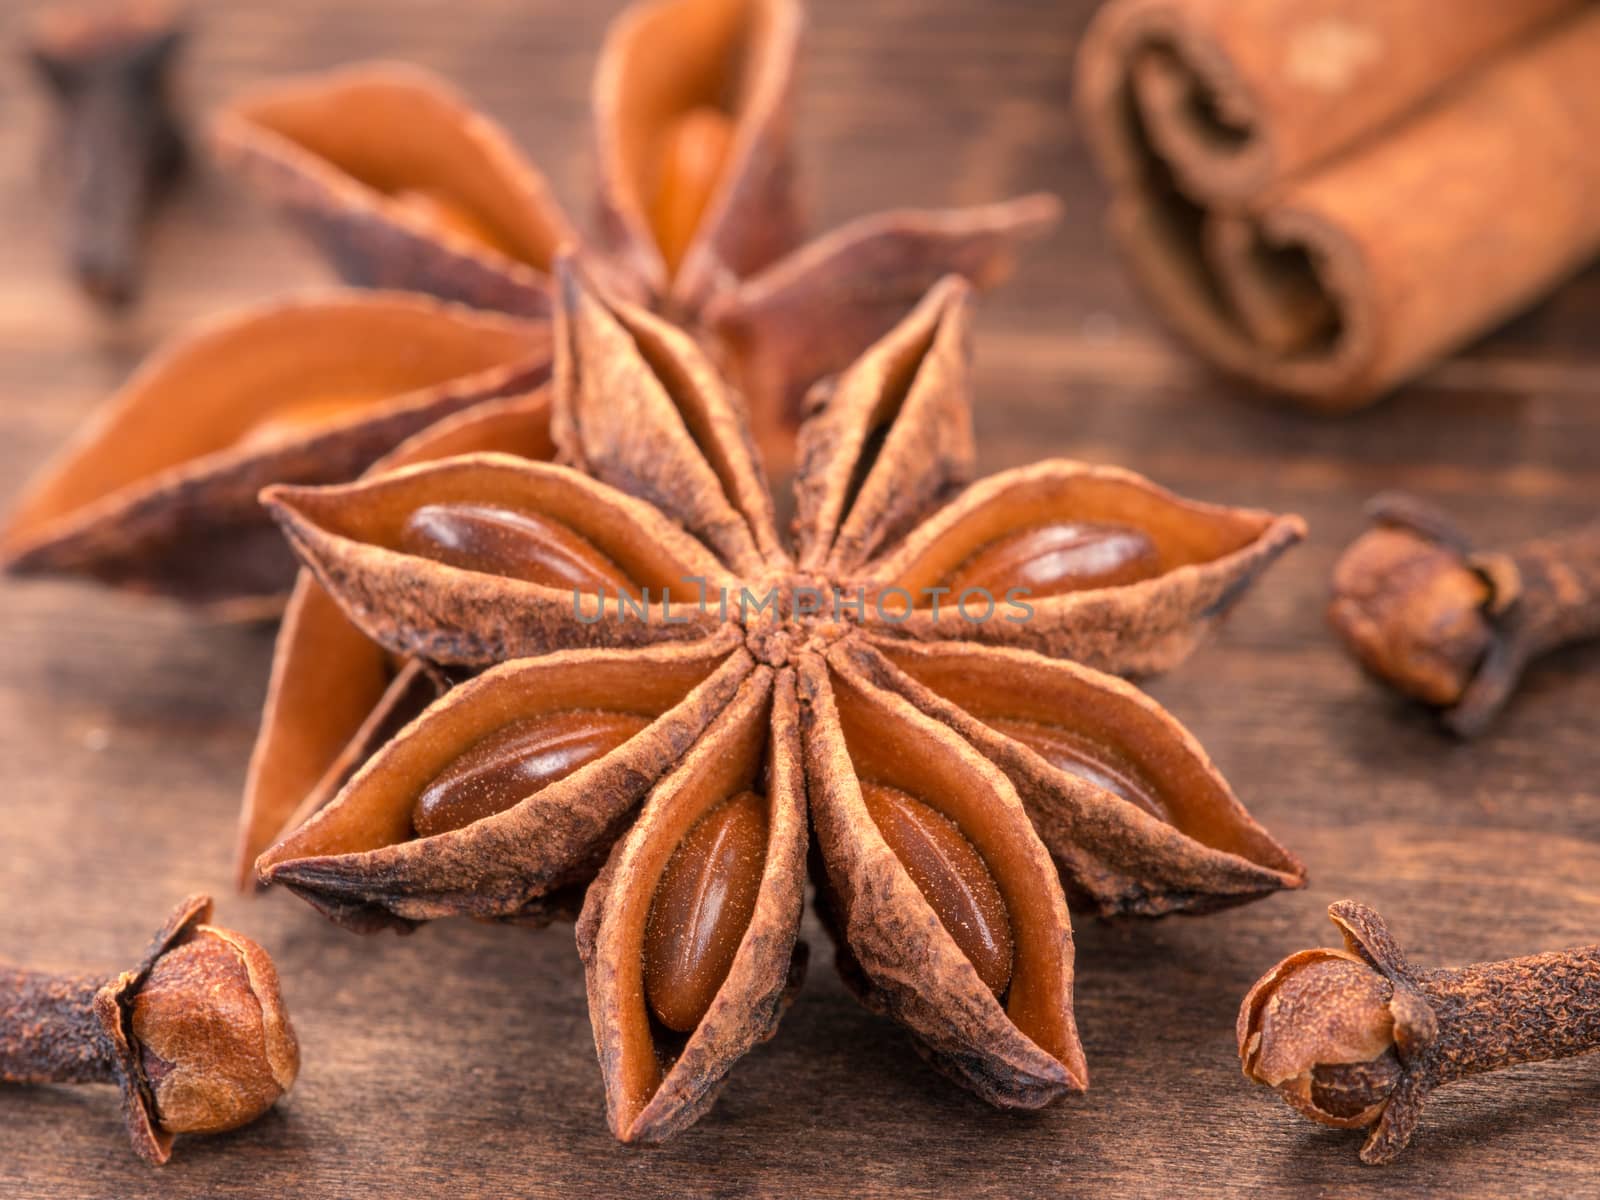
196, 1035
1452, 626
118, 146
1357, 1038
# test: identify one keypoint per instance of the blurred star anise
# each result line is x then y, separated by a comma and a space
402, 185
651, 702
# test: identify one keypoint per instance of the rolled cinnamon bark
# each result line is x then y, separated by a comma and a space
1326, 195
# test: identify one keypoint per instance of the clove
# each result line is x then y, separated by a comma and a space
1452, 626
1358, 1038
196, 1035
118, 146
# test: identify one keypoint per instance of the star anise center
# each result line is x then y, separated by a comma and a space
786, 611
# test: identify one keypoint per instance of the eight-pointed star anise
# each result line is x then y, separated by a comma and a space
960, 775
404, 186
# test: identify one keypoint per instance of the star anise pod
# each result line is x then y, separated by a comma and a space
359, 693
665, 703
158, 494
402, 185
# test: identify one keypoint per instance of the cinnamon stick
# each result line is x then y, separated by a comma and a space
1325, 196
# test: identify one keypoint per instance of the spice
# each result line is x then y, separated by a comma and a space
119, 146
335, 695
196, 1035
1359, 1038
697, 210
769, 693
158, 494
1455, 627
404, 186
1278, 170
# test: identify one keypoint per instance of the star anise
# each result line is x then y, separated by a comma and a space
158, 493
402, 185
669, 703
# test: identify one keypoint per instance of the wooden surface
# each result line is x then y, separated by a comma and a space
459, 1061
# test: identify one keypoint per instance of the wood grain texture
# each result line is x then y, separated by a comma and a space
459, 1060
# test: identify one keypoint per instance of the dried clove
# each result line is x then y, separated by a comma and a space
1452, 626
1358, 1038
196, 1035
119, 146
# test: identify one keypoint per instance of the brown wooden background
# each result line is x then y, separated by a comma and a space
459, 1061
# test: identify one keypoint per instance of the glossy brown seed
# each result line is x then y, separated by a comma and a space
693, 151
1063, 556
1077, 755
701, 909
516, 545
950, 874
516, 761
442, 212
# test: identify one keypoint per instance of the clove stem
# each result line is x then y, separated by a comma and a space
1499, 1014
49, 1032
1560, 587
